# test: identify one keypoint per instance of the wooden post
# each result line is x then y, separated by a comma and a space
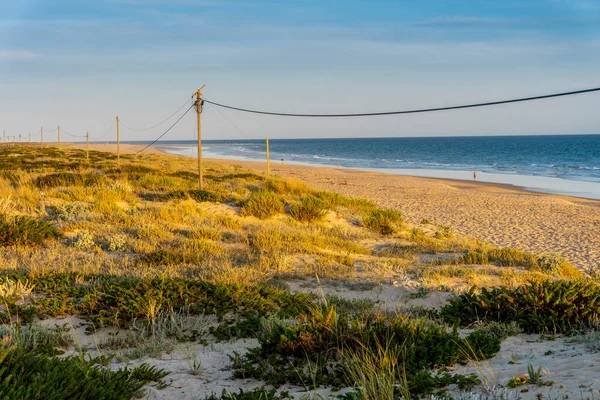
118, 143
59, 135
41, 135
20, 139
268, 159
198, 112
29, 137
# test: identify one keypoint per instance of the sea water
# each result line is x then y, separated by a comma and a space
565, 164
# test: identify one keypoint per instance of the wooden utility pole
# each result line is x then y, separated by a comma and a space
199, 111
29, 137
268, 159
59, 135
118, 143
20, 139
87, 146
41, 134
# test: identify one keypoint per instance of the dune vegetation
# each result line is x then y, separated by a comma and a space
108, 266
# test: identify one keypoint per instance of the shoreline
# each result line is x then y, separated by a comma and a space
494, 179
501, 214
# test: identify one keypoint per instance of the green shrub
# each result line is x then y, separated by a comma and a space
263, 204
502, 330
322, 337
107, 300
477, 257
84, 240
511, 258
444, 231
70, 211
553, 265
69, 179
197, 195
26, 375
382, 221
256, 394
117, 242
308, 209
538, 307
501, 257
24, 231
203, 196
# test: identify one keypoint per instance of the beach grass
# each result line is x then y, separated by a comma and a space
134, 247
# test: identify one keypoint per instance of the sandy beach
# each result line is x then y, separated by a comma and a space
500, 214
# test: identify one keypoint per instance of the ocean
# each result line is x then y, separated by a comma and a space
565, 164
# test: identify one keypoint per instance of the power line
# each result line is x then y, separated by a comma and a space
70, 134
167, 131
159, 124
227, 119
416, 111
106, 133
50, 130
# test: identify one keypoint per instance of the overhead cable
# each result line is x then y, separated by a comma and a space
415, 111
167, 131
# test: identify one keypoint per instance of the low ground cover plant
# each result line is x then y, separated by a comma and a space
25, 231
542, 306
313, 349
27, 375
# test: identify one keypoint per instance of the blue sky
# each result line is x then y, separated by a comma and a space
81, 62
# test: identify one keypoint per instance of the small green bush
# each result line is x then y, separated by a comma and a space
256, 394
263, 204
117, 243
26, 375
203, 196
550, 264
69, 179
444, 231
502, 330
24, 231
502, 257
322, 337
538, 307
71, 211
308, 209
382, 221
84, 240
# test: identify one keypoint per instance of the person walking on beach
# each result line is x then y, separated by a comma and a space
474, 175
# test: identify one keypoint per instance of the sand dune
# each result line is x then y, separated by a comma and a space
500, 214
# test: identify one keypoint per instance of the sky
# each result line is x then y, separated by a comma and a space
80, 63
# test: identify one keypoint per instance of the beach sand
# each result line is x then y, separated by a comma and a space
499, 214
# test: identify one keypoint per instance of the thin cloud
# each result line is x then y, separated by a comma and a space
17, 55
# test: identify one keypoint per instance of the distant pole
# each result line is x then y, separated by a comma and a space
3, 135
29, 137
268, 159
198, 112
118, 143
20, 139
87, 146
59, 135
41, 135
